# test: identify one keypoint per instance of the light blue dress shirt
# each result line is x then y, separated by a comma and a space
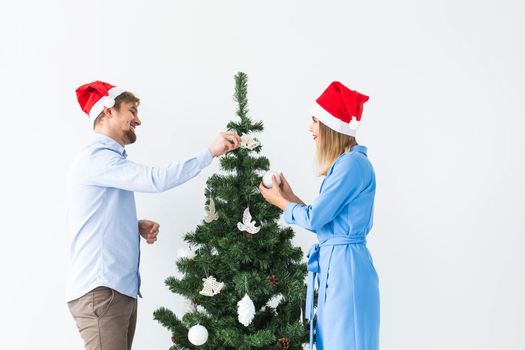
348, 294
101, 213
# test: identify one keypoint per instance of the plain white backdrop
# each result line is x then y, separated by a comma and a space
444, 127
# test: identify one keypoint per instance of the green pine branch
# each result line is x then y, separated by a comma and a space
244, 262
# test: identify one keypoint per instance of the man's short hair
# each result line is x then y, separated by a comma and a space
124, 97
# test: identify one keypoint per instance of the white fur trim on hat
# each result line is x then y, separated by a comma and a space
106, 101
334, 123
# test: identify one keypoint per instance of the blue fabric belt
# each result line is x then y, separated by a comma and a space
313, 270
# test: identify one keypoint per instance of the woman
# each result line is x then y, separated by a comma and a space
341, 216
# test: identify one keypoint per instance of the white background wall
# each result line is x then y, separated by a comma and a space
444, 128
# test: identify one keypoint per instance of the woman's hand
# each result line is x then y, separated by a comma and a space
274, 195
288, 192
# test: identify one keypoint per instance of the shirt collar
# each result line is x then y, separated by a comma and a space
359, 148
108, 141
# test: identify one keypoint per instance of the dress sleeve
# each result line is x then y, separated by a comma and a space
344, 184
110, 169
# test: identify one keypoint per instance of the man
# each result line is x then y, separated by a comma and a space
104, 279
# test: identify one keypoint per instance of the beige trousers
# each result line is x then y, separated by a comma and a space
105, 319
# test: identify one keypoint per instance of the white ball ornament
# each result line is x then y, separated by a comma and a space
198, 335
267, 178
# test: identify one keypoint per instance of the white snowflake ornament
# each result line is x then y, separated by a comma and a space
211, 286
245, 310
190, 306
185, 253
249, 142
275, 301
211, 214
247, 224
201, 309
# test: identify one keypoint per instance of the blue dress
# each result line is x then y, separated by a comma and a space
348, 292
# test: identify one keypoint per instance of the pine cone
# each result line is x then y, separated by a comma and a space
284, 343
273, 281
174, 339
247, 234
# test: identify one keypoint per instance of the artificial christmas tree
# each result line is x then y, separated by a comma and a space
245, 280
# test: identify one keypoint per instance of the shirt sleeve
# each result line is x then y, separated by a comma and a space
110, 169
344, 184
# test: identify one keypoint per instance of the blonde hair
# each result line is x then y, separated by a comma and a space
331, 145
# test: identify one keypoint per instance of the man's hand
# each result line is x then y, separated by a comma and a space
149, 230
225, 142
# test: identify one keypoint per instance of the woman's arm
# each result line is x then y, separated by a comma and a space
279, 195
344, 184
288, 192
291, 197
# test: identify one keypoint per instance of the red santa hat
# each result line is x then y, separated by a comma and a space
340, 108
93, 97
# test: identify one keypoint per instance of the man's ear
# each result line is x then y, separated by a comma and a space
108, 112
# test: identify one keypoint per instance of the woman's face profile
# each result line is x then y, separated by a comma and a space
314, 129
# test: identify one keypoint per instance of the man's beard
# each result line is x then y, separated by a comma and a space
130, 137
